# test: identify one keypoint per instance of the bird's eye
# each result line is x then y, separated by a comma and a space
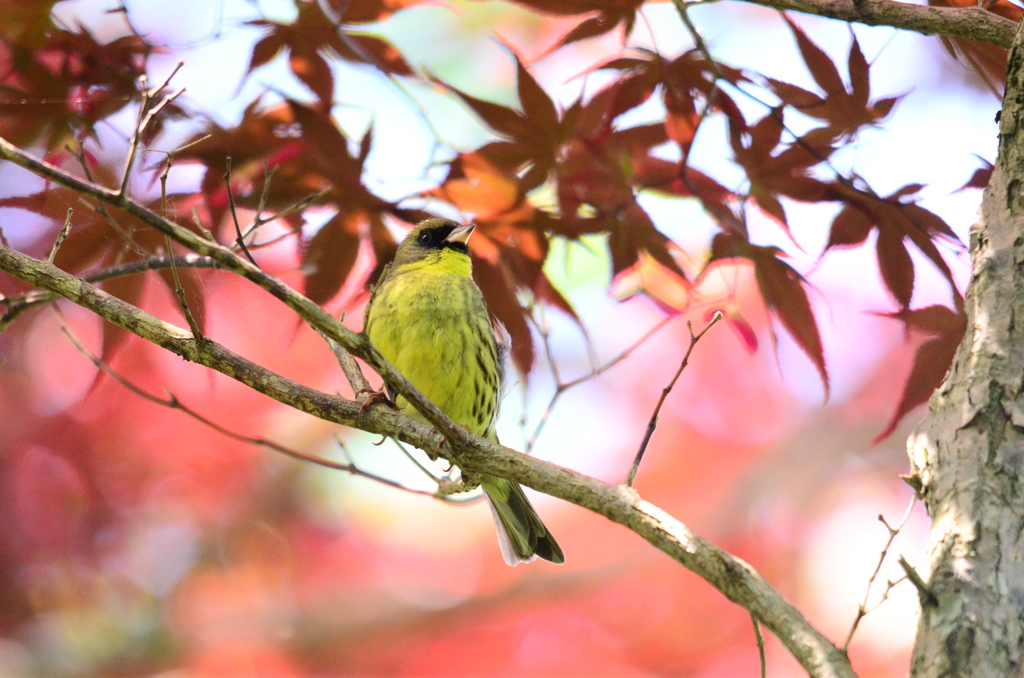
426, 237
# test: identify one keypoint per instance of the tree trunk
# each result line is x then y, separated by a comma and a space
969, 454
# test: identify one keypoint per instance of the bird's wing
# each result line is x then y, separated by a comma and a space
502, 354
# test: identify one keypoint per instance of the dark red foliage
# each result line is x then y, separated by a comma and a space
988, 62
783, 291
316, 38
981, 176
897, 222
944, 328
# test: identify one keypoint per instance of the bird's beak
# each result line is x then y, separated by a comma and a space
461, 234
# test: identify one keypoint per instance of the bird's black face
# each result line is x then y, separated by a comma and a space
436, 237
433, 241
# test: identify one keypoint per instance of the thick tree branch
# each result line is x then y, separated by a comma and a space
734, 578
973, 23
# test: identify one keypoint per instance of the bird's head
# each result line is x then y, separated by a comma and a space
436, 242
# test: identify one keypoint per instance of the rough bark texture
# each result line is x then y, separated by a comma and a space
974, 23
969, 454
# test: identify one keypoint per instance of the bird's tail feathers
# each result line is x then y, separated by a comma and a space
521, 534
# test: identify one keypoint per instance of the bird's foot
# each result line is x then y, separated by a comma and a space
442, 441
447, 486
368, 397
435, 453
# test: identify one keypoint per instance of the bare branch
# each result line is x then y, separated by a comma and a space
101, 209
653, 423
760, 645
240, 240
416, 462
291, 209
889, 586
179, 291
268, 177
133, 145
199, 224
146, 115
561, 387
862, 609
924, 592
65, 229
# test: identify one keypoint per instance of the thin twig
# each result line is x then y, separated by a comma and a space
414, 460
698, 39
268, 177
924, 592
155, 111
443, 484
684, 162
100, 208
146, 116
133, 145
240, 240
190, 144
65, 229
291, 209
760, 645
199, 224
344, 448
862, 609
179, 290
545, 336
273, 241
561, 388
889, 586
623, 355
653, 423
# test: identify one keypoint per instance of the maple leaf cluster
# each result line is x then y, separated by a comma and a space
294, 154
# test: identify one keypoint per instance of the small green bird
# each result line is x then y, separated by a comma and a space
429, 319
